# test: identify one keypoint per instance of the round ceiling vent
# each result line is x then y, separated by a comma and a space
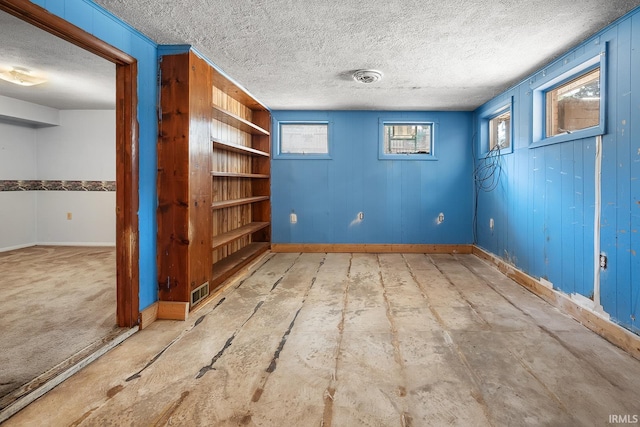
367, 76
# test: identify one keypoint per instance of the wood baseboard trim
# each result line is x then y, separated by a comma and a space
148, 315
612, 332
370, 248
173, 310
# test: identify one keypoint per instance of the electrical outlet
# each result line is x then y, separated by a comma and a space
69, 216
603, 261
491, 223
293, 218
440, 218
360, 216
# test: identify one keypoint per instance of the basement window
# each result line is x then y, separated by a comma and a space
573, 105
569, 102
406, 140
495, 127
500, 131
303, 140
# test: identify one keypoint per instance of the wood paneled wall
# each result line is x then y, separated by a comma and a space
227, 219
184, 178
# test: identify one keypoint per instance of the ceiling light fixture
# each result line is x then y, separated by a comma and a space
367, 76
21, 76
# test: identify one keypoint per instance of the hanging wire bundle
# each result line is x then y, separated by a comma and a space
486, 176
488, 170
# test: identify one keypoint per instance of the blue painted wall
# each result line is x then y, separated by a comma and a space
543, 207
400, 199
95, 20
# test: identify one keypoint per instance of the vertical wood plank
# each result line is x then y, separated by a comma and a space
584, 286
553, 233
199, 221
127, 249
184, 176
567, 220
634, 155
173, 179
621, 122
609, 189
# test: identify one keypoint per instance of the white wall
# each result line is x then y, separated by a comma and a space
82, 148
17, 208
17, 152
93, 218
28, 113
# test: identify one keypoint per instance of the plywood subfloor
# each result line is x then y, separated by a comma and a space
54, 302
356, 339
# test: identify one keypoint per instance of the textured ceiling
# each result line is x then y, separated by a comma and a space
299, 54
77, 79
296, 54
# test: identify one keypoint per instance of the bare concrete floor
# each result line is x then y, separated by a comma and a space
350, 340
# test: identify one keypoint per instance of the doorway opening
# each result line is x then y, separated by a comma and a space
125, 256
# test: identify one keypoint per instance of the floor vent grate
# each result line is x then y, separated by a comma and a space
199, 293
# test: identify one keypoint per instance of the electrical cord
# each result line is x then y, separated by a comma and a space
488, 171
486, 177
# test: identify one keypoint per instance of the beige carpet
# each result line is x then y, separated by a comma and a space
54, 302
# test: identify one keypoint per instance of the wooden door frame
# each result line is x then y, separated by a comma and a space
127, 246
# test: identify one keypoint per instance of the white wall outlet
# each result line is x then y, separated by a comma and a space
491, 223
440, 218
293, 218
360, 216
603, 261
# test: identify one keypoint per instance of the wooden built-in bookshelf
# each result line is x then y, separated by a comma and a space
221, 145
241, 182
237, 202
237, 122
228, 266
214, 210
232, 235
239, 175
